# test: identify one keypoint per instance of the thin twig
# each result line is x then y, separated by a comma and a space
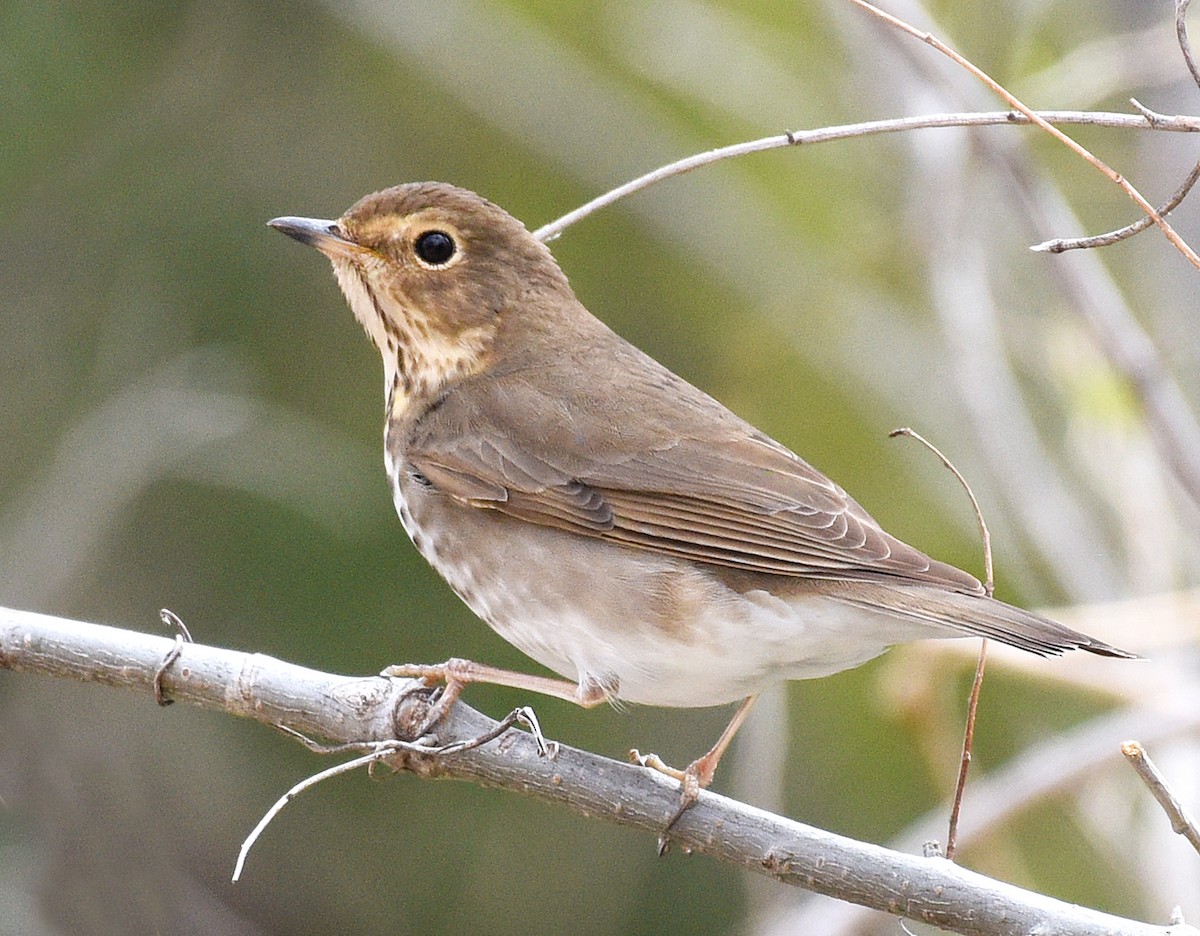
380, 751
968, 745
319, 747
989, 580
931, 40
1181, 823
548, 232
1185, 45
1175, 124
182, 636
383, 749
173, 621
989, 586
1061, 244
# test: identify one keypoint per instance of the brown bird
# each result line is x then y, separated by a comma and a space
612, 521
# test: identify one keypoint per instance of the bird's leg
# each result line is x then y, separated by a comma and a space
699, 773
457, 673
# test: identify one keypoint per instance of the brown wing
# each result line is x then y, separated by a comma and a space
681, 476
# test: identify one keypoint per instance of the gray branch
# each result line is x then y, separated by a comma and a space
344, 709
1173, 123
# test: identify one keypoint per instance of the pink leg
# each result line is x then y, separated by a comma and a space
699, 773
457, 674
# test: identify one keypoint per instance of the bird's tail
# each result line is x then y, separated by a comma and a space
976, 616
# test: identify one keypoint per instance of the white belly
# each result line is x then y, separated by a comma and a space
580, 607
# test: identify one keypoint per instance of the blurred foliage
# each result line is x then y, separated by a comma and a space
191, 419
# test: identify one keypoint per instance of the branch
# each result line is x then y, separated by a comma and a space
1185, 44
1063, 244
1055, 767
1176, 124
1181, 822
357, 709
1011, 100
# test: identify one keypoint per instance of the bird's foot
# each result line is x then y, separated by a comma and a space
457, 674
692, 779
699, 773
428, 676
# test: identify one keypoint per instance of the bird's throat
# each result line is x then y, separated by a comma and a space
420, 357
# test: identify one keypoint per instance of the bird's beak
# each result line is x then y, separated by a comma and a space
326, 236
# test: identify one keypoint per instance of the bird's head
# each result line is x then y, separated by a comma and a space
436, 275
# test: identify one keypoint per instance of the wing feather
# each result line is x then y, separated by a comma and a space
645, 459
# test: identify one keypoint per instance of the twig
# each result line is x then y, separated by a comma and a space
989, 586
1013, 102
381, 751
1185, 45
1181, 823
548, 232
968, 745
1125, 342
986, 537
182, 636
1176, 124
1061, 244
173, 621
365, 709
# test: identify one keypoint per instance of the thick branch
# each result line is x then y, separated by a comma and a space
343, 708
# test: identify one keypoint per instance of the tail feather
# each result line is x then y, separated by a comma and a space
976, 616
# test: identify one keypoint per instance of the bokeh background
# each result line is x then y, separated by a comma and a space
190, 418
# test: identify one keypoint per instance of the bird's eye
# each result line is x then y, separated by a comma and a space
435, 247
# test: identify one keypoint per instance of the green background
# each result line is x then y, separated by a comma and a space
190, 418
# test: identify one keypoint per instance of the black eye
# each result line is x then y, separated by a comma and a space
435, 247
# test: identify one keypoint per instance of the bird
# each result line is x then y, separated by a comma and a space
612, 521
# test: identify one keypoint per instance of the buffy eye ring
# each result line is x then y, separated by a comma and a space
435, 248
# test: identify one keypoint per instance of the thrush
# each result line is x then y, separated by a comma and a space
603, 515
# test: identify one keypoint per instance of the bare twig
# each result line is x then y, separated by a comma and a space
1181, 823
366, 709
998, 89
989, 583
182, 636
173, 621
383, 749
1176, 124
1125, 342
1061, 244
968, 745
548, 232
380, 751
1151, 115
989, 586
1185, 45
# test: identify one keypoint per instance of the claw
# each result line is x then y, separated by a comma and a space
529, 719
654, 762
697, 775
